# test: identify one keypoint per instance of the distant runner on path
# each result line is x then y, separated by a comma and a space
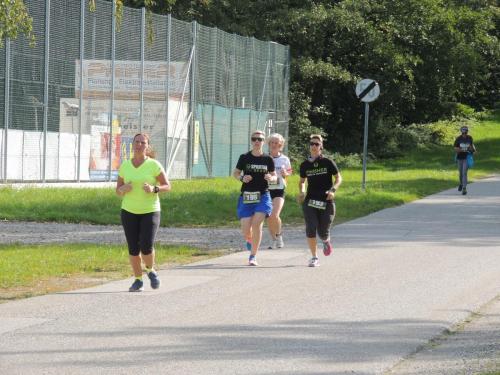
464, 147
277, 190
255, 170
140, 179
318, 203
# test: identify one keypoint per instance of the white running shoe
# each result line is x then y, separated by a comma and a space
279, 241
314, 262
252, 261
273, 245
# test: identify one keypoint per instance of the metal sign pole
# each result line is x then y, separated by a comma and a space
365, 144
367, 91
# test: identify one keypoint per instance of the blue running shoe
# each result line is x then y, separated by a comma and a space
155, 280
137, 286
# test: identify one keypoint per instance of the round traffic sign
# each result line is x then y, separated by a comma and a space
367, 90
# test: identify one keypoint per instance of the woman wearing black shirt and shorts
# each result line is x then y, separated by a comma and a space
318, 203
255, 170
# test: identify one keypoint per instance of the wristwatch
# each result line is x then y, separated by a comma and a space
333, 190
156, 189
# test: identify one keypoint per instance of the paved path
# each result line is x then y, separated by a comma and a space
397, 279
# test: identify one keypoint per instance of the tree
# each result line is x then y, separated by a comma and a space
14, 19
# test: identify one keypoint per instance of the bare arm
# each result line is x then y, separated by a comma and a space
245, 178
336, 185
163, 184
121, 187
302, 190
271, 176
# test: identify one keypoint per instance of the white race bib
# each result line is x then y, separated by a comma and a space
251, 197
317, 204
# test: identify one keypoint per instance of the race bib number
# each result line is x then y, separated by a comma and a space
317, 204
251, 197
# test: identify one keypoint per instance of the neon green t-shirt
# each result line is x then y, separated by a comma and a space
137, 201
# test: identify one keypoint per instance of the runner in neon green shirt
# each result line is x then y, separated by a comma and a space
140, 179
138, 201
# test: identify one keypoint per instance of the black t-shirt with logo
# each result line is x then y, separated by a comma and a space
319, 173
257, 167
465, 143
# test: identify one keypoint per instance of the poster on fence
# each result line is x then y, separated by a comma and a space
127, 83
103, 148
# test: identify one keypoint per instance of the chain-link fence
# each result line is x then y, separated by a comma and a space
72, 103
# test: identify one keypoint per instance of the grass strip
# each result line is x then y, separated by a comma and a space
29, 270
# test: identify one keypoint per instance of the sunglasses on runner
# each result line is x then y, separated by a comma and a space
314, 144
255, 139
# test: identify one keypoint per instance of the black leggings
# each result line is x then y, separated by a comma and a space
317, 220
140, 231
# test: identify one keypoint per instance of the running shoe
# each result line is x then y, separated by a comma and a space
279, 241
464, 191
137, 286
252, 261
273, 245
327, 248
155, 280
459, 187
314, 262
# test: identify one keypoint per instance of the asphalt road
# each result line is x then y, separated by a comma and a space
397, 279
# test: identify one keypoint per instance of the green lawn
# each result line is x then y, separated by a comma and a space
28, 270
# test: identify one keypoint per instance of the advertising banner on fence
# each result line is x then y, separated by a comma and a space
127, 84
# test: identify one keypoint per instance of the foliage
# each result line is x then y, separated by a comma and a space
298, 145
464, 110
14, 19
348, 161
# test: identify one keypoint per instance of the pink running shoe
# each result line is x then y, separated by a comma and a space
327, 248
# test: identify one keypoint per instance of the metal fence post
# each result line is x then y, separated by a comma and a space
212, 127
46, 86
214, 100
6, 114
286, 93
275, 128
141, 98
80, 106
167, 102
192, 101
252, 98
264, 84
111, 106
233, 104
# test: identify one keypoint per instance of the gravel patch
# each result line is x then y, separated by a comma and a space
471, 347
204, 238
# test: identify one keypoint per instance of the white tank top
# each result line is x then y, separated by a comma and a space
280, 162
